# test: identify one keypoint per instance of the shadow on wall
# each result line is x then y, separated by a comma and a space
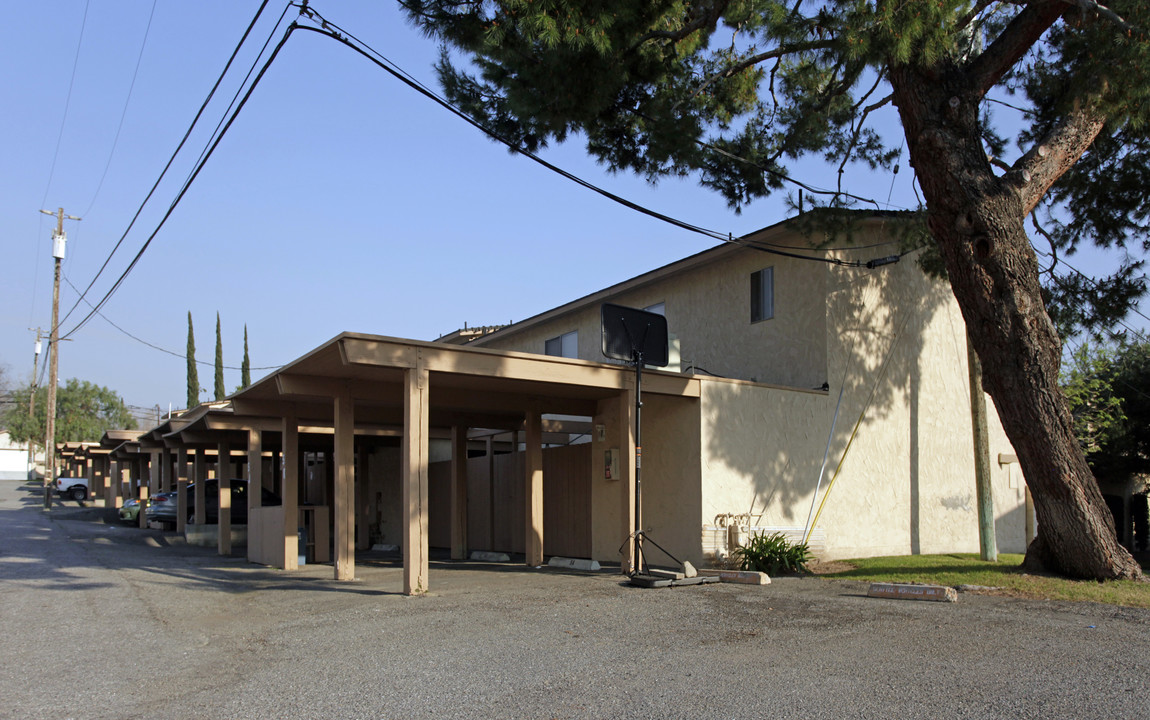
766, 445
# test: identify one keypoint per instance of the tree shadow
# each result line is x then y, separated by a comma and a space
895, 345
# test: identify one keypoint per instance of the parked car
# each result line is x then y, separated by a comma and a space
163, 507
130, 512
73, 487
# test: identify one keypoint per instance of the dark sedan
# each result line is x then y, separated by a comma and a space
165, 511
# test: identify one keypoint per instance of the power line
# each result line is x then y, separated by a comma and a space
124, 112
335, 32
186, 186
140, 340
67, 104
168, 165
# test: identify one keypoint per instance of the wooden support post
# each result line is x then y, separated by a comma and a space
533, 492
490, 493
289, 491
458, 492
99, 478
344, 489
224, 479
154, 472
414, 473
201, 479
626, 433
141, 520
112, 490
181, 490
255, 493
362, 498
166, 470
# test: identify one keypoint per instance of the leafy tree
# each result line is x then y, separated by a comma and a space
1108, 389
655, 88
193, 372
221, 393
246, 366
83, 412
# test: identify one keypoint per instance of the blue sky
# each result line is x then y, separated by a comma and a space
339, 200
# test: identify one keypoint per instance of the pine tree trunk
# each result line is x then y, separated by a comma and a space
977, 220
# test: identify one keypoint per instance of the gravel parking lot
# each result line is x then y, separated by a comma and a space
101, 620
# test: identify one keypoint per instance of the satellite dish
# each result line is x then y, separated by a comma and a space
634, 336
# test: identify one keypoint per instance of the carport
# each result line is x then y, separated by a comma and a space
359, 385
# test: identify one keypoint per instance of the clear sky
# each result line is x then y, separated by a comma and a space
339, 200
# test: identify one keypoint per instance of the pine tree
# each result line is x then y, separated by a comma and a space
193, 374
246, 367
221, 393
733, 91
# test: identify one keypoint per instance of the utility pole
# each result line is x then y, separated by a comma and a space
59, 241
32, 407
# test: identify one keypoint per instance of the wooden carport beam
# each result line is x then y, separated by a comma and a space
181, 489
344, 483
534, 488
458, 492
414, 474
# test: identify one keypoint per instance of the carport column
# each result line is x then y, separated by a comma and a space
181, 489
344, 485
224, 474
255, 490
290, 492
99, 477
533, 492
458, 492
414, 474
112, 489
166, 470
154, 471
201, 478
627, 476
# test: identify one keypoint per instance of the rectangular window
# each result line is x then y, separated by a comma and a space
659, 308
763, 294
566, 345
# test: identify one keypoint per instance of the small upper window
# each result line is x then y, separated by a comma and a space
763, 294
659, 308
566, 345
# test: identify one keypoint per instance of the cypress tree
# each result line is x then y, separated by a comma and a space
246, 367
220, 392
193, 376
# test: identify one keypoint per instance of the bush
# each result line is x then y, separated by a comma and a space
773, 554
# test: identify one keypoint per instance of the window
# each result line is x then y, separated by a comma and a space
659, 308
566, 345
763, 294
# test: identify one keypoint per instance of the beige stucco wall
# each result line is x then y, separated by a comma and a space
907, 483
708, 310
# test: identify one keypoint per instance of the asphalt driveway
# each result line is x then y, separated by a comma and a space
102, 620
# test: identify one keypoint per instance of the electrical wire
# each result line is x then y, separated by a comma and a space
186, 186
67, 103
173, 353
124, 112
168, 165
339, 34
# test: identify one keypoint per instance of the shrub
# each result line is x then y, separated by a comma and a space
773, 554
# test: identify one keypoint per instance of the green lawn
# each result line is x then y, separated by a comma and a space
967, 569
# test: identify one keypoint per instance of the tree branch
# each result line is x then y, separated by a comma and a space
777, 53
1013, 44
1056, 153
709, 17
1101, 10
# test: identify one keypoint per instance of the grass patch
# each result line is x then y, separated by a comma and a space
968, 569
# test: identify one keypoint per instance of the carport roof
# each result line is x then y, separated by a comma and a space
476, 387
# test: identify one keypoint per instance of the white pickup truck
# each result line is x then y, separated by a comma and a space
74, 487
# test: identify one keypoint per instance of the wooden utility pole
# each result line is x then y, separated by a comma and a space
59, 240
988, 545
32, 407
